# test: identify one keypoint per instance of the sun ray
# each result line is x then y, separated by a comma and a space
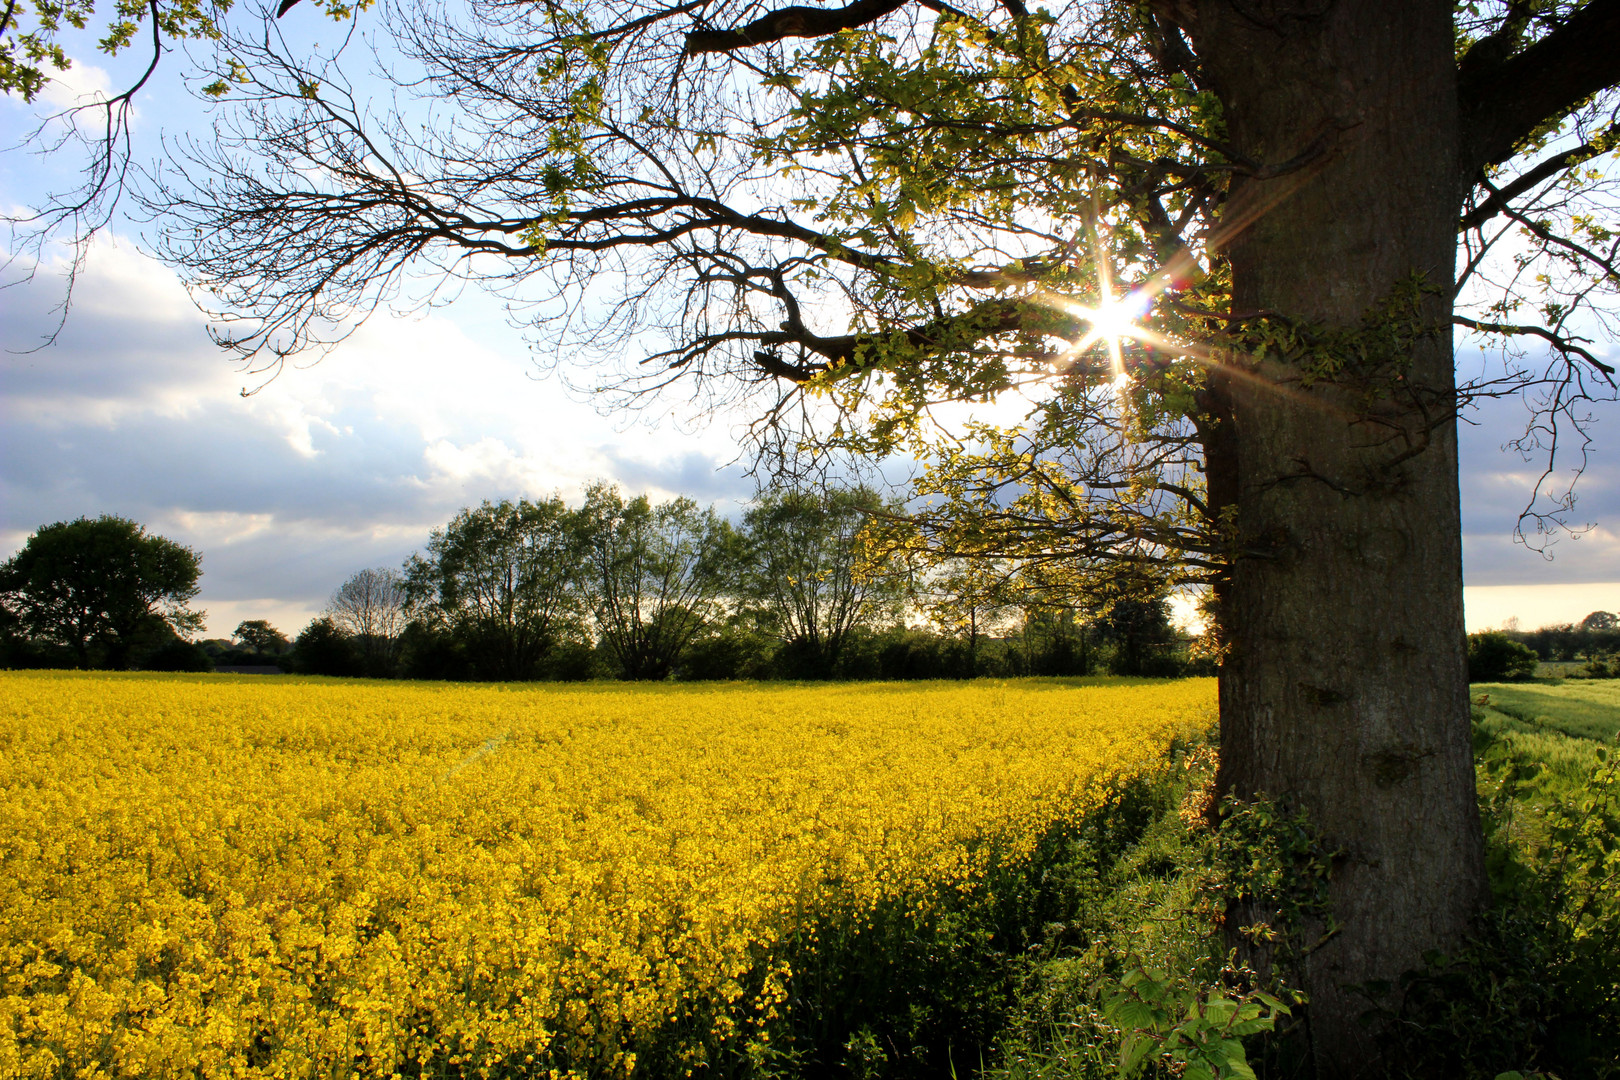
1114, 320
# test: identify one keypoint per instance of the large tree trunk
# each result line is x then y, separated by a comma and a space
1345, 689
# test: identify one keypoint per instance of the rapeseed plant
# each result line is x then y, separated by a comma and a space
212, 876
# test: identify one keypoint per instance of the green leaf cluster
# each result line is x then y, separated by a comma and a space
1199, 1032
30, 46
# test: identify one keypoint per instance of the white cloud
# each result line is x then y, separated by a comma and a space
488, 463
80, 84
223, 527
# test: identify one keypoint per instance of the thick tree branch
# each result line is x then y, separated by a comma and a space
819, 354
1546, 170
794, 21
1164, 38
1563, 344
1503, 99
989, 319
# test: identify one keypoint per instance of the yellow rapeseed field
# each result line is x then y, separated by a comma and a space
229, 876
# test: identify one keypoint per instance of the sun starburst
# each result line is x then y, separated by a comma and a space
1111, 322
1113, 319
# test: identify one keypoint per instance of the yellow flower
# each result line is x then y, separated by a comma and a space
221, 877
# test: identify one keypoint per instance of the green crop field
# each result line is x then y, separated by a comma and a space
1556, 731
1583, 708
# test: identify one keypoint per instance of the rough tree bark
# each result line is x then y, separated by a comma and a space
1345, 691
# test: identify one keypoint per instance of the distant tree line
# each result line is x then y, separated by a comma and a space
625, 587
1508, 654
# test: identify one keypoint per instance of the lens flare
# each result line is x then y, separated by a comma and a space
1114, 320
1111, 322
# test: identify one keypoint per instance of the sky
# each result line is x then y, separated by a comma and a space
351, 462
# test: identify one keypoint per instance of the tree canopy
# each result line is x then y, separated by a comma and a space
97, 585
259, 636
503, 578
654, 575
804, 567
370, 608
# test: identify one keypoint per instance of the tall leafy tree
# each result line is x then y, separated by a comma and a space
655, 575
1220, 246
1056, 640
804, 566
502, 579
96, 585
1137, 621
968, 599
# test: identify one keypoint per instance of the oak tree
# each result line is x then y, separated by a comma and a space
1215, 250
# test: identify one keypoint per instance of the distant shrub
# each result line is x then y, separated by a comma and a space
22, 654
1600, 667
730, 652
1495, 657
574, 660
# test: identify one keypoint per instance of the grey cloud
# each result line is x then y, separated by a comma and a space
1497, 482
120, 342
212, 461
697, 475
299, 564
325, 514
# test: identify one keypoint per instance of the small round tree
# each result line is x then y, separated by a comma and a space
323, 648
260, 637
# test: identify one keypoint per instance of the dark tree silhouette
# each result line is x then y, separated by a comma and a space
804, 567
654, 575
502, 579
96, 585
